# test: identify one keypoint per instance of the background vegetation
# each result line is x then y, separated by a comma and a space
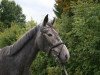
78, 23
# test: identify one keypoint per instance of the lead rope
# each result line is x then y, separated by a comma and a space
63, 66
65, 71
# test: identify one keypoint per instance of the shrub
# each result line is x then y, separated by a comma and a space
10, 35
81, 33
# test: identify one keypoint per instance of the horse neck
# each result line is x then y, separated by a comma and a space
21, 43
25, 49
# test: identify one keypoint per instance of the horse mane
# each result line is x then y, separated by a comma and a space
18, 45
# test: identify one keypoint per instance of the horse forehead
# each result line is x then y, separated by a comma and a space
50, 28
54, 31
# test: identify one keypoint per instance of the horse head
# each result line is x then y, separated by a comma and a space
50, 41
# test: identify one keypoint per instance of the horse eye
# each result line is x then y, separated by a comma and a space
49, 34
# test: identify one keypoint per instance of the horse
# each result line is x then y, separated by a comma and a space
17, 58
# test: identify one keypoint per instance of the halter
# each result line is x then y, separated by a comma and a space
54, 46
58, 53
51, 49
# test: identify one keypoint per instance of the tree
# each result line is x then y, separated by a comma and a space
11, 12
81, 33
63, 6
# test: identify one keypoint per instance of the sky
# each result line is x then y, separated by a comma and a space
37, 9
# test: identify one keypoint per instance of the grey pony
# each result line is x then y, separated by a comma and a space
16, 59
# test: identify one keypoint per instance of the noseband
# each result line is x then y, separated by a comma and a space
54, 46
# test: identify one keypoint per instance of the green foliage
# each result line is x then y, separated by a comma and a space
39, 65
54, 71
10, 35
81, 33
58, 11
44, 65
10, 12
63, 6
1, 27
30, 24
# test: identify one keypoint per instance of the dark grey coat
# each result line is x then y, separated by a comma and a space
17, 58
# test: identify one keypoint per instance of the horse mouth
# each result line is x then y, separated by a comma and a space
60, 61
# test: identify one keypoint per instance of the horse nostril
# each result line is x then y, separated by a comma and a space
66, 56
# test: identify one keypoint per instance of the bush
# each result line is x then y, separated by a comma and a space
81, 33
10, 35
39, 65
44, 65
54, 71
1, 27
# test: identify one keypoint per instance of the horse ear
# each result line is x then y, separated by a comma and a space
53, 21
45, 20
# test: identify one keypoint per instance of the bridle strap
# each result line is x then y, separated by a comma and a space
54, 46
65, 71
51, 49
